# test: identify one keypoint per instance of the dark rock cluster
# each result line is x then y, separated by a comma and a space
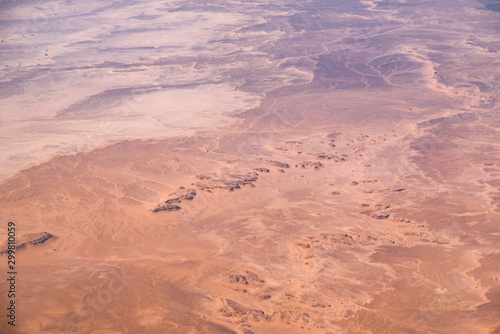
310, 164
262, 170
230, 182
35, 242
244, 279
169, 204
279, 164
234, 309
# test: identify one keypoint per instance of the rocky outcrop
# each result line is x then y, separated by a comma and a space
237, 310
279, 164
244, 279
166, 207
189, 195
333, 157
40, 240
262, 170
234, 278
309, 164
226, 181
377, 216
171, 204
254, 277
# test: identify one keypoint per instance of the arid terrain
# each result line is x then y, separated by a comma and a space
251, 167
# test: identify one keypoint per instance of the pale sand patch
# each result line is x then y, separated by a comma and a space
161, 114
126, 73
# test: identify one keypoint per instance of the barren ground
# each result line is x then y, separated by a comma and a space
235, 167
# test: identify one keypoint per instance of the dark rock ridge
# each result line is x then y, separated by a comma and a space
254, 277
169, 205
377, 216
244, 279
35, 242
189, 195
230, 182
279, 164
310, 164
234, 309
324, 156
234, 278
166, 207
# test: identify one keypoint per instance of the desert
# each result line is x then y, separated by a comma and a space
250, 167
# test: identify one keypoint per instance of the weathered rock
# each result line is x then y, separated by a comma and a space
377, 216
279, 164
167, 207
234, 278
234, 309
254, 277
333, 135
169, 204
310, 164
35, 242
189, 195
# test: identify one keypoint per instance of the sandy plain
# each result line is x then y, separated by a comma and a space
282, 168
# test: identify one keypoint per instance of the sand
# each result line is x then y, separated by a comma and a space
251, 168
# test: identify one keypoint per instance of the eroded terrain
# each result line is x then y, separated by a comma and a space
352, 188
